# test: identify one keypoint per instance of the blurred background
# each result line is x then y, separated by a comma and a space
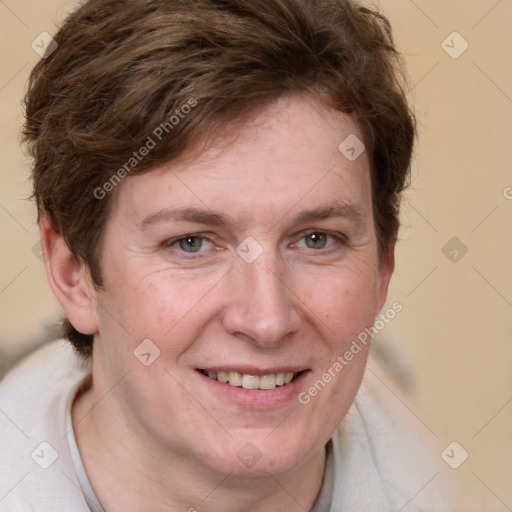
445, 361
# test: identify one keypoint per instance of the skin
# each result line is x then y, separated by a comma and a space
160, 437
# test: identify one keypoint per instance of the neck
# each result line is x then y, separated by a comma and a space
128, 475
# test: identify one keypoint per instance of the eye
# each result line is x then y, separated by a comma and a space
188, 244
321, 240
191, 243
316, 240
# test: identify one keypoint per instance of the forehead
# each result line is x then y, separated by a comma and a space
288, 156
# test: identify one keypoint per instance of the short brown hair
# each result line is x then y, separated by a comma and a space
122, 68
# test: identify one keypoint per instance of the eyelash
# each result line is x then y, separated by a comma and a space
339, 240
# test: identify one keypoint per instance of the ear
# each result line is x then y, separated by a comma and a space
69, 279
386, 268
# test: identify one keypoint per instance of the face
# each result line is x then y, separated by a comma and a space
253, 262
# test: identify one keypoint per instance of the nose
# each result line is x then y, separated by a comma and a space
261, 306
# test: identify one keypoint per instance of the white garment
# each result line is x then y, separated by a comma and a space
377, 466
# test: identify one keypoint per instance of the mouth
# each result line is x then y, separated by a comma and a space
255, 388
248, 381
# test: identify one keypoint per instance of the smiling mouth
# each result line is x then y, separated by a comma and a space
246, 381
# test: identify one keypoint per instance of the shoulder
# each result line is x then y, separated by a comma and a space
36, 471
57, 354
381, 462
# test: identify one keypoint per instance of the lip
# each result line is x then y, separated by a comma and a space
253, 370
255, 398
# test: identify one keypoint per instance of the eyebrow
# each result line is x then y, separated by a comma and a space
350, 211
185, 215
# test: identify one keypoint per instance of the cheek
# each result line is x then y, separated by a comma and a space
159, 305
344, 305
341, 311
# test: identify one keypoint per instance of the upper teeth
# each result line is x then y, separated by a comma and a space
246, 381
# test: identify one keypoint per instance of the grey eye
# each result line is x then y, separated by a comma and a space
191, 244
316, 240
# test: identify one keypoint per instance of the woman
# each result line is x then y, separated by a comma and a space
218, 185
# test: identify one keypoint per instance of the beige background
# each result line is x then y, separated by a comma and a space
449, 351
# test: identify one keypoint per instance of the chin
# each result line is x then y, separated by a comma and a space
262, 454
